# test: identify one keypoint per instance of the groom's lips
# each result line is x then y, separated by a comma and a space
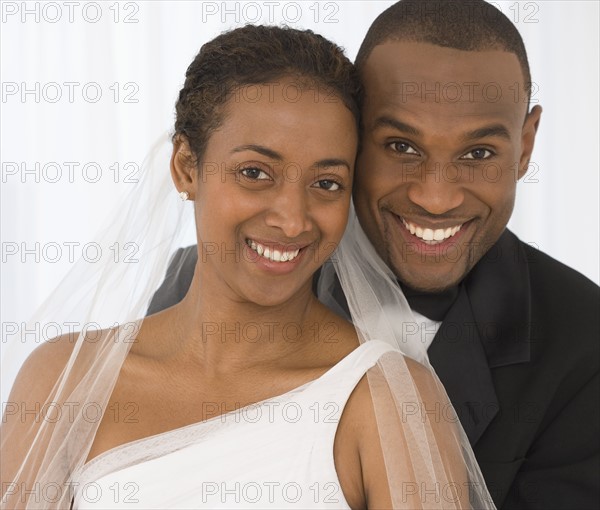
431, 238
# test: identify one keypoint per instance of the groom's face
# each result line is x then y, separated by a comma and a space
446, 136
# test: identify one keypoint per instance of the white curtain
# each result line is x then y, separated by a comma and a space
88, 86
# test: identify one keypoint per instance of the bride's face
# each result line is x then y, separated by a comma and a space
273, 190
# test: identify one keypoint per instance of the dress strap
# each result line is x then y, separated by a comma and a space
341, 379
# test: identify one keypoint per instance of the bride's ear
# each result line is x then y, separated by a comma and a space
183, 166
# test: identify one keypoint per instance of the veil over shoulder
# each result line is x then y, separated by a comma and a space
428, 460
61, 392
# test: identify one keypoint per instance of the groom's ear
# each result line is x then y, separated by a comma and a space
183, 166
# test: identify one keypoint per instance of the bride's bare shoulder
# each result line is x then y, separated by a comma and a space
48, 359
360, 426
44, 366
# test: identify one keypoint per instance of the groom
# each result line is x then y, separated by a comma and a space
446, 133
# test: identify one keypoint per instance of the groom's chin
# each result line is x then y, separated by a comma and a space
430, 278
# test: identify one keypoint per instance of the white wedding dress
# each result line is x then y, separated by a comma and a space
277, 453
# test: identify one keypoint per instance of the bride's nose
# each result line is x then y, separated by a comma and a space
289, 212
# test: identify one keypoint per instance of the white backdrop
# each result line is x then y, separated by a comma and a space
88, 86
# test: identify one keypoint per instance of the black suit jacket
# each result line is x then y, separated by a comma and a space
518, 354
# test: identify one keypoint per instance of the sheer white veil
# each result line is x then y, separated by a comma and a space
62, 390
428, 458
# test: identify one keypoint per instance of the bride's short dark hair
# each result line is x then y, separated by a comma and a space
254, 55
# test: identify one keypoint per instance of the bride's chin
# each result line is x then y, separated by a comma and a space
276, 295
269, 300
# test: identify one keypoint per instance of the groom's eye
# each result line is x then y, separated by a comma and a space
402, 148
479, 153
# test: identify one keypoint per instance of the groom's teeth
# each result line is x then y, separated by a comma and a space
272, 254
431, 236
439, 235
428, 234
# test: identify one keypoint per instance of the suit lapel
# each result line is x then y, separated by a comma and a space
500, 296
487, 327
459, 360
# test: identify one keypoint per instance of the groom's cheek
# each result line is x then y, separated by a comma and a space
366, 200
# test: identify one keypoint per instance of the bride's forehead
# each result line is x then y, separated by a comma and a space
305, 120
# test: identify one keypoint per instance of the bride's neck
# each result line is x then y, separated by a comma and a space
216, 327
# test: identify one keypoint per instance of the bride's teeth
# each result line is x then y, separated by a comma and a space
428, 234
272, 254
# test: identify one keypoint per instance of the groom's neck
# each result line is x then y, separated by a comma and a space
433, 305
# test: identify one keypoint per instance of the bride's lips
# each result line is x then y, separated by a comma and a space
274, 257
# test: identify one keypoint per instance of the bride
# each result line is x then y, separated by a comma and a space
250, 392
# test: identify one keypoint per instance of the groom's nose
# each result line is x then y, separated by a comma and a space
431, 189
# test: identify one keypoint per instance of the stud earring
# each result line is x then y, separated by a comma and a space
184, 195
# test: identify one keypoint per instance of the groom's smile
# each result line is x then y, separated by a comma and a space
431, 236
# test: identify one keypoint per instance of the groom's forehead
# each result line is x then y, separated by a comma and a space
428, 77
396, 61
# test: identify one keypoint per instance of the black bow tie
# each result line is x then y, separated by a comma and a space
433, 305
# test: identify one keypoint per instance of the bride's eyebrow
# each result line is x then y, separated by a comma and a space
265, 151
331, 162
271, 154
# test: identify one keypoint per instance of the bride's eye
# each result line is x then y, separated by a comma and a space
328, 185
402, 148
254, 174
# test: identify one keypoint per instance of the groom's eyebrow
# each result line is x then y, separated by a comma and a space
495, 130
385, 121
265, 151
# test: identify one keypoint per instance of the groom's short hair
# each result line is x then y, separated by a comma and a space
468, 25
